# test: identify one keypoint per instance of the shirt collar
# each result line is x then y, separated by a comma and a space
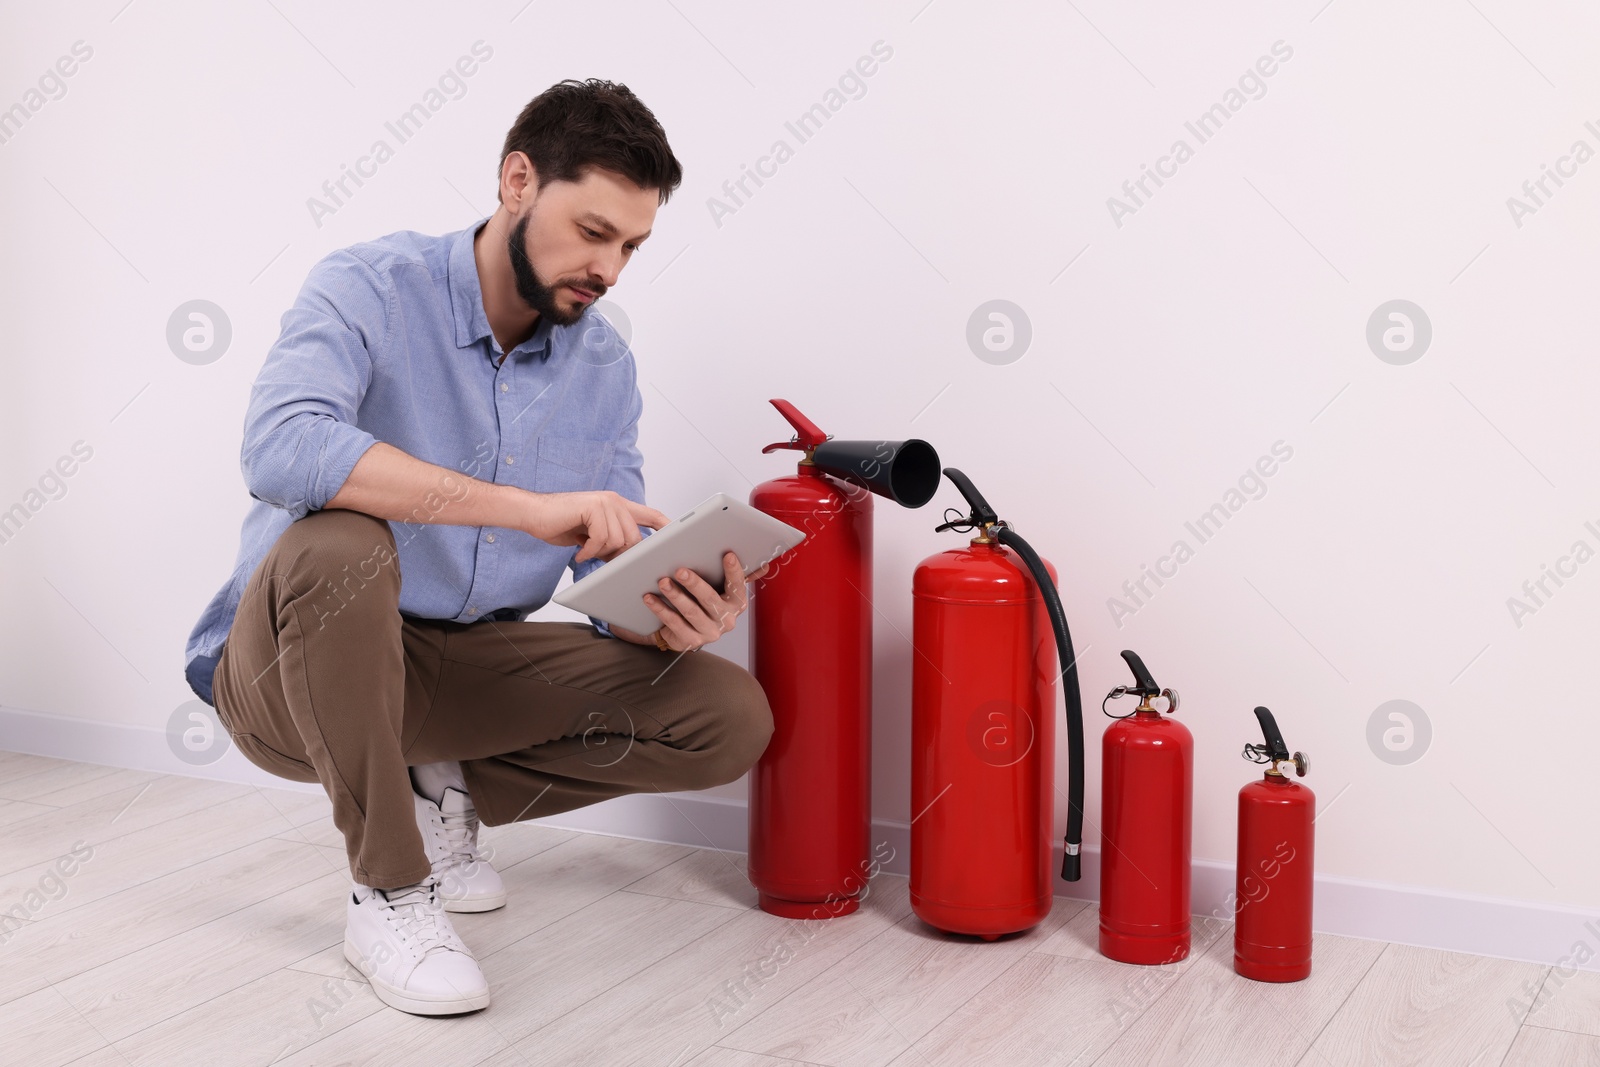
466, 301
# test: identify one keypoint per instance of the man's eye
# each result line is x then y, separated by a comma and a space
590, 233
630, 248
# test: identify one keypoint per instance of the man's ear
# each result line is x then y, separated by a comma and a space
520, 178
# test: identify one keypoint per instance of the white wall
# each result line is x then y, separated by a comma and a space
1229, 312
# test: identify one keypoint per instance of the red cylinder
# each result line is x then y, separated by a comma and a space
1146, 794
811, 649
982, 743
1272, 908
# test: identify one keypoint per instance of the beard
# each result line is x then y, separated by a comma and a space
538, 295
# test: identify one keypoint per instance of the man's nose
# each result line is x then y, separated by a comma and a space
606, 267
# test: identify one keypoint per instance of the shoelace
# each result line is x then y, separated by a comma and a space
419, 904
461, 837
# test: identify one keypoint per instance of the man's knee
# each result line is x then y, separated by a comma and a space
336, 554
747, 719
335, 534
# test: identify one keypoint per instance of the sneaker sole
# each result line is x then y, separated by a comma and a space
411, 1002
471, 904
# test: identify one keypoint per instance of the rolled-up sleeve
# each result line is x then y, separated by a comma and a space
300, 437
626, 480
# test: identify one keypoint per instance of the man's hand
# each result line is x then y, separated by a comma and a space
692, 613
603, 522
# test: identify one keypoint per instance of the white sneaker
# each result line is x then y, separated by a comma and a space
450, 836
404, 944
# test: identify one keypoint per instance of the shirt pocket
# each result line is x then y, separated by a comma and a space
566, 464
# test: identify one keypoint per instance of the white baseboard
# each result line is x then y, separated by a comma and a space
1409, 915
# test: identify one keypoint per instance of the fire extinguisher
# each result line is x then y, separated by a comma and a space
983, 730
1147, 793
1272, 905
811, 650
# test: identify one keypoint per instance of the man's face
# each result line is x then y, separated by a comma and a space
570, 244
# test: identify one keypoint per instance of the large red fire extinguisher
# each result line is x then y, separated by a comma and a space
1147, 789
811, 650
1272, 906
989, 638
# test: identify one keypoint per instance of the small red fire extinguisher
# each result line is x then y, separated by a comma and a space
989, 641
811, 650
1272, 906
1147, 794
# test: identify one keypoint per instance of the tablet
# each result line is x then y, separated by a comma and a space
615, 592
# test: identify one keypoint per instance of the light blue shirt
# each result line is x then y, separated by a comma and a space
388, 341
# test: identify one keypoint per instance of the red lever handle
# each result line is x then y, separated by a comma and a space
807, 435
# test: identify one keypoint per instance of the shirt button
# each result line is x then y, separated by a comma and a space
504, 388
491, 539
472, 611
511, 459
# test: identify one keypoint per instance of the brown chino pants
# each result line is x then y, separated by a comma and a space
323, 680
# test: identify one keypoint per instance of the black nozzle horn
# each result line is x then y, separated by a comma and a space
1147, 685
906, 472
982, 513
1269, 729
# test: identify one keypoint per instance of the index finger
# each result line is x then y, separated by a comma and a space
643, 515
732, 571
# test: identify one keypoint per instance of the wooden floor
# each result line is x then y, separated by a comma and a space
204, 927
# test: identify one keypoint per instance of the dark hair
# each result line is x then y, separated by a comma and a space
574, 125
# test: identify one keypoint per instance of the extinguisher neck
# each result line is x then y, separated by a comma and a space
1280, 767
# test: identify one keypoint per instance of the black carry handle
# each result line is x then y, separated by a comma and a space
1147, 685
1276, 749
982, 513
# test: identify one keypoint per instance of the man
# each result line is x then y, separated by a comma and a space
443, 426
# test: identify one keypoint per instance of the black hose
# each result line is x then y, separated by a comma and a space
1071, 862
